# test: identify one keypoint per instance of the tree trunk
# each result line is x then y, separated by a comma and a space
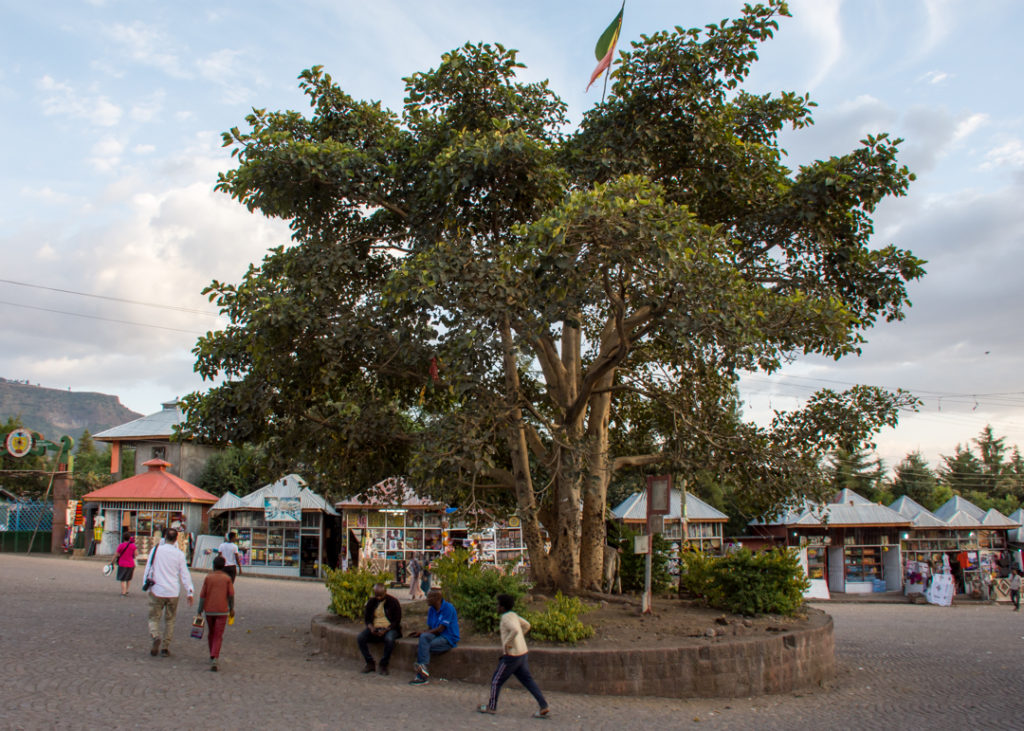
565, 542
595, 492
540, 564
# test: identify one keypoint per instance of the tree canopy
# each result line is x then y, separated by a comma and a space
512, 312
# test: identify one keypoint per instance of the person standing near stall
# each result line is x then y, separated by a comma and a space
217, 597
126, 562
1014, 586
229, 550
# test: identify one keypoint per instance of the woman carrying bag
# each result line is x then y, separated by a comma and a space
126, 562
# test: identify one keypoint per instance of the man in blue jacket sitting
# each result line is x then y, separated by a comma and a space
442, 635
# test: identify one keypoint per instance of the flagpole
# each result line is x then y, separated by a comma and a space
605, 88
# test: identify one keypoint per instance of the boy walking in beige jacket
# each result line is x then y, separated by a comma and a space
513, 659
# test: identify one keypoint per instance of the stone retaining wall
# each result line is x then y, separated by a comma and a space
698, 668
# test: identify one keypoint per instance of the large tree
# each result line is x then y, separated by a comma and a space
480, 294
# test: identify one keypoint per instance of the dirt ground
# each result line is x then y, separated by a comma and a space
617, 622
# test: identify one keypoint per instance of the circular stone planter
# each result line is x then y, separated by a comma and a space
724, 667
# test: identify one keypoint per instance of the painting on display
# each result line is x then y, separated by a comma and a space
282, 509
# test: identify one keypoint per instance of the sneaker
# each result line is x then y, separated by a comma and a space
543, 713
421, 670
213, 665
369, 667
485, 709
419, 680
383, 670
156, 647
165, 652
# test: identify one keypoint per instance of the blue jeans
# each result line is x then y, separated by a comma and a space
388, 638
430, 645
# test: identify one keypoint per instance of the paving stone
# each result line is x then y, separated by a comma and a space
74, 655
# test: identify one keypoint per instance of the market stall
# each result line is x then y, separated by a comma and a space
702, 524
146, 505
283, 529
391, 524
850, 542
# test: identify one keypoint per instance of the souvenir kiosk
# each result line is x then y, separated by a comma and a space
283, 529
850, 542
976, 544
146, 505
391, 524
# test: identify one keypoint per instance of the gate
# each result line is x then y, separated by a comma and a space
19, 520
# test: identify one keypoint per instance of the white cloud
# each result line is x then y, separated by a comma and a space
1008, 154
821, 22
61, 99
148, 46
935, 77
149, 108
144, 149
968, 126
106, 154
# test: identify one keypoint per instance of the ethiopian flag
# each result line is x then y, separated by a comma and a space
605, 48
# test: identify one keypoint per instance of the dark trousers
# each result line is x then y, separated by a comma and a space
1015, 598
508, 666
215, 625
231, 571
388, 638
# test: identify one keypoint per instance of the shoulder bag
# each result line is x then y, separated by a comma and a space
148, 582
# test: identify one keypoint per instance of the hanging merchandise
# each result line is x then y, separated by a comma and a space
940, 592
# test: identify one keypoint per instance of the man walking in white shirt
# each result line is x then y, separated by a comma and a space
167, 569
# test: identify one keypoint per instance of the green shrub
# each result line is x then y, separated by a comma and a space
560, 621
631, 566
742, 582
350, 590
473, 588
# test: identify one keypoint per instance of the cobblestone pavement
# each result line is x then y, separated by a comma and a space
74, 654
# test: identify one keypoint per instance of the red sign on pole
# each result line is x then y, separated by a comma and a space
659, 491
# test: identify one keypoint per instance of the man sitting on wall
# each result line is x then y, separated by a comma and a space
383, 617
442, 635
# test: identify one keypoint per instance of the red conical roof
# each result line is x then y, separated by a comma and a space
155, 484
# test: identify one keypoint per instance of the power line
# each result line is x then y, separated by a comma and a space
105, 319
177, 308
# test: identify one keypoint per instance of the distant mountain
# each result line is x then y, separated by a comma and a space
55, 413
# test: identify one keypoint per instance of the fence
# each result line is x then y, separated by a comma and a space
19, 519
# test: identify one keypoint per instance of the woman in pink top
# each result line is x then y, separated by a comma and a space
125, 557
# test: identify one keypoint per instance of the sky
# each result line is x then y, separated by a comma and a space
113, 109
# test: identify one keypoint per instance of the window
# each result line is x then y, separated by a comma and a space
160, 453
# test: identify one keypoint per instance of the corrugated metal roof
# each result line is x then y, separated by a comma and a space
846, 496
919, 515
852, 510
962, 519
957, 504
228, 501
1017, 535
288, 486
994, 519
160, 424
635, 508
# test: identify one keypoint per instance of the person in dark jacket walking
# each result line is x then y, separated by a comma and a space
383, 617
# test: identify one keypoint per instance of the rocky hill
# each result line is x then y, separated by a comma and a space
55, 413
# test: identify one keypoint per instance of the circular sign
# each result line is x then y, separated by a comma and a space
513, 522
19, 442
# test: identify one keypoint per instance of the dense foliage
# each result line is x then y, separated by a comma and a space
350, 590
560, 621
473, 588
510, 312
742, 582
